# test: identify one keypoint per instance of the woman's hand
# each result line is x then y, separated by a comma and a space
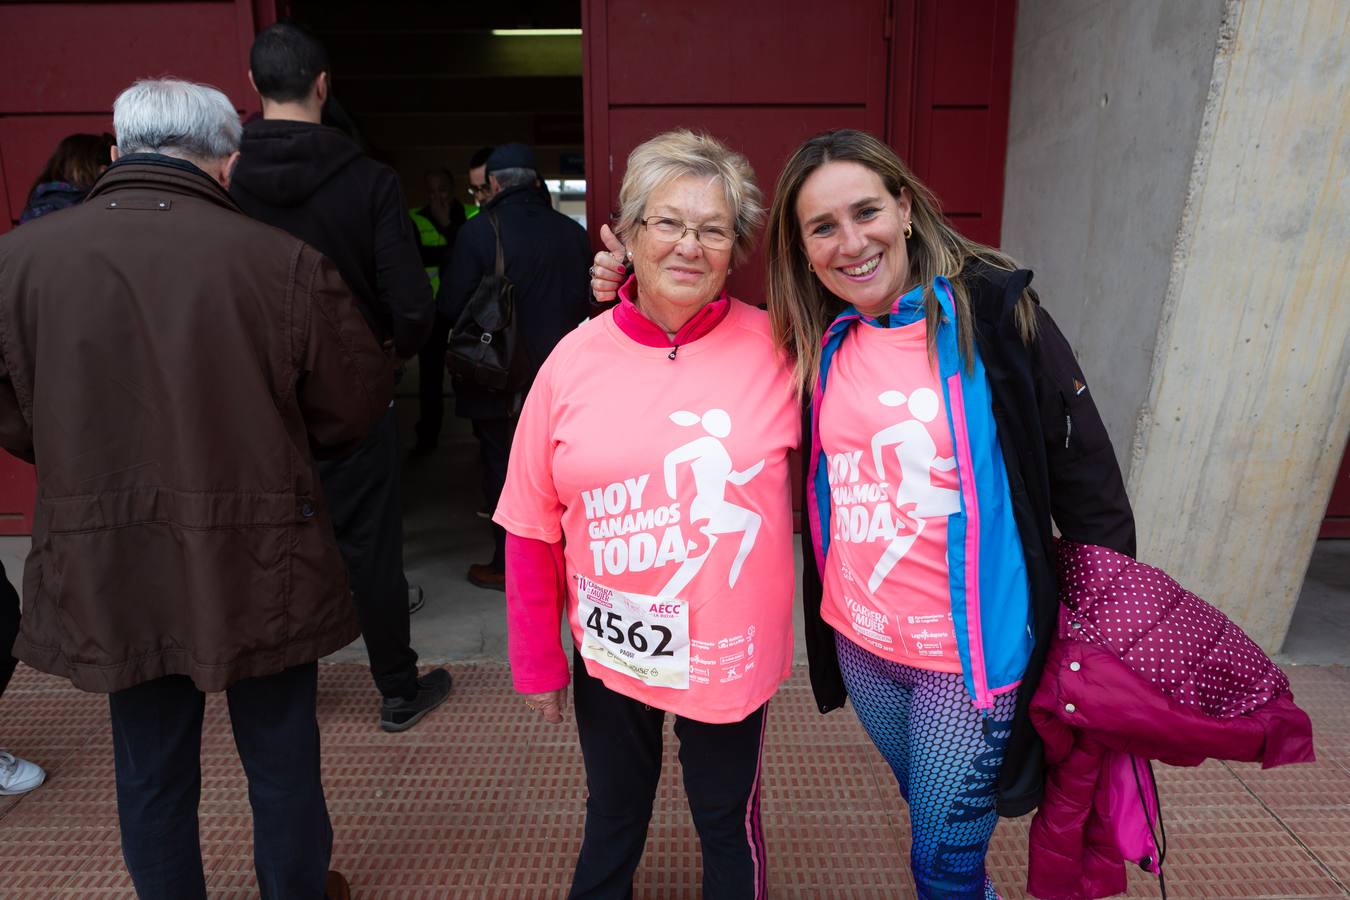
549, 704
608, 272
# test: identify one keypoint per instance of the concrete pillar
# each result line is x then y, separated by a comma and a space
1237, 433
1241, 435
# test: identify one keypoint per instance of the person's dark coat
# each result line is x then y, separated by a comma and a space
50, 197
547, 258
1060, 466
172, 367
314, 182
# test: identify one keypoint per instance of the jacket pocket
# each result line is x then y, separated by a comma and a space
1081, 433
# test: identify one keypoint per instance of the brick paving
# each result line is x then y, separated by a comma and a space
482, 801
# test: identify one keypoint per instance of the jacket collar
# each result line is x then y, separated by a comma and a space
521, 193
150, 170
633, 323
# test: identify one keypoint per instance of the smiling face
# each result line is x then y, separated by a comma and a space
676, 279
853, 234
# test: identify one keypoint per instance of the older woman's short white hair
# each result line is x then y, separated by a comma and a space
177, 118
675, 154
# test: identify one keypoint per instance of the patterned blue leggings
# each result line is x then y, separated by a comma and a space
945, 755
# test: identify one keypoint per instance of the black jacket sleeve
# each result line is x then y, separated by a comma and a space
467, 265
822, 655
400, 280
1087, 492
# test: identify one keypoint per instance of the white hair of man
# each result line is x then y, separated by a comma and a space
514, 176
176, 118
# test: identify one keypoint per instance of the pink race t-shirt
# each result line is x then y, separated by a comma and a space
893, 483
667, 481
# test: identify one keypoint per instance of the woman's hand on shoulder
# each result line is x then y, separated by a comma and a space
548, 704
608, 272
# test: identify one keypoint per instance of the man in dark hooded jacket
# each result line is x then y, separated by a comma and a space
314, 182
546, 256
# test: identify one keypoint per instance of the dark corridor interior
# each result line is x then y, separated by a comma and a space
428, 83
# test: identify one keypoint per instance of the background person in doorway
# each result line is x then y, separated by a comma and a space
313, 182
437, 222
77, 162
545, 255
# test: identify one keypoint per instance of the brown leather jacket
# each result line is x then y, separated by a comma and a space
172, 367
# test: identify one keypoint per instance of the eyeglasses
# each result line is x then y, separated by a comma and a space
714, 237
477, 190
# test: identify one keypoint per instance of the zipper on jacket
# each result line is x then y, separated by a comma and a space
1068, 429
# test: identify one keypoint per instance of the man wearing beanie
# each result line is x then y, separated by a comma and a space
547, 256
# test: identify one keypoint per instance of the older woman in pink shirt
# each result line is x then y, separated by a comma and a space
648, 499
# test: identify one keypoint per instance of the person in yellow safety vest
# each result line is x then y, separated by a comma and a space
437, 224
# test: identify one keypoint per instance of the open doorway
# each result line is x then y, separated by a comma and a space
426, 84
423, 86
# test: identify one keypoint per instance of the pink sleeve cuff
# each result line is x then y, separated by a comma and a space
536, 588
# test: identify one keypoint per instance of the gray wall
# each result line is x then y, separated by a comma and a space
1107, 103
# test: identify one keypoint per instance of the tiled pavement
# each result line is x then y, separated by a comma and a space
482, 801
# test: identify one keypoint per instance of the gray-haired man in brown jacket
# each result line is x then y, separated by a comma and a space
173, 368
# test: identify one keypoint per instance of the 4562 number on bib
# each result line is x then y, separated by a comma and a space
643, 637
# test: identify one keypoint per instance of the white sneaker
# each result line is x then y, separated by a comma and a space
18, 776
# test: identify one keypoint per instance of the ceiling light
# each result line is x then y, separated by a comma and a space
536, 32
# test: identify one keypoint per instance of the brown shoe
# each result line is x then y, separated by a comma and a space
335, 887
481, 575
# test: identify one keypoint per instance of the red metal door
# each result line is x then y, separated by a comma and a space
1337, 522
761, 75
61, 66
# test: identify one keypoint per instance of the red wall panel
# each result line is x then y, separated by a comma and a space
753, 51
960, 59
762, 75
1337, 521
63, 57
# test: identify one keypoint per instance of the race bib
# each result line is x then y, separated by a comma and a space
643, 637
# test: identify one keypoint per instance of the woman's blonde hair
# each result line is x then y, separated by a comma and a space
801, 308
675, 154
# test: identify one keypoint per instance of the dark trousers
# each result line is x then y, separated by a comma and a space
363, 500
621, 746
157, 736
494, 440
431, 383
9, 629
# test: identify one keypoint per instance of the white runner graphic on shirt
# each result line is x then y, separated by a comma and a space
712, 469
643, 637
916, 453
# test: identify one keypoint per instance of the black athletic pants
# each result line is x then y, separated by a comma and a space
363, 500
621, 745
431, 384
157, 745
9, 629
494, 440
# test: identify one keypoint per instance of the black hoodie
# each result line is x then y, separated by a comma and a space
314, 182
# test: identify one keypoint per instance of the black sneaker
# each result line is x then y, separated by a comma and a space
397, 714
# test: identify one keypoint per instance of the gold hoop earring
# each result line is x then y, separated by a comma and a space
810, 267
909, 231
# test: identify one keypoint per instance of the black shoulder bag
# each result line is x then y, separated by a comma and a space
484, 347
